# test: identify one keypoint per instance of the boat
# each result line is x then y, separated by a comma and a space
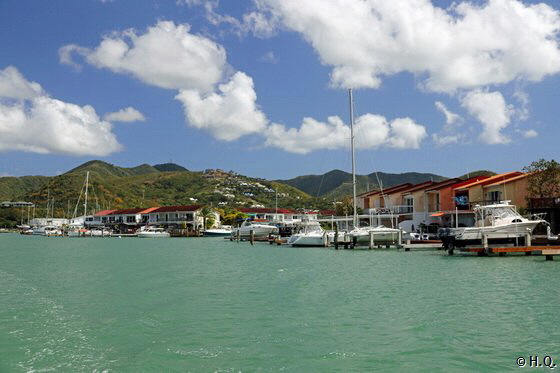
101, 232
258, 229
152, 232
311, 234
498, 222
362, 235
52, 232
78, 232
221, 231
381, 235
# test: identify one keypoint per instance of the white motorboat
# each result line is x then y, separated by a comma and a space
381, 235
152, 232
311, 234
101, 232
52, 232
223, 230
499, 221
78, 232
258, 229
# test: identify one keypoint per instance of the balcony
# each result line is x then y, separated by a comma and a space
393, 210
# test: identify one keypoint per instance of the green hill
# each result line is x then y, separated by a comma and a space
113, 187
14, 188
169, 167
336, 183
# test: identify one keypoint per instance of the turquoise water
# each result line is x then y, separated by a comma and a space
210, 305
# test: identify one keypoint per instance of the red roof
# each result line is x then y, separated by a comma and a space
177, 208
140, 210
493, 179
420, 186
444, 184
470, 181
386, 191
104, 212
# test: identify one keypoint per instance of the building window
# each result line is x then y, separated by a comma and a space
495, 196
130, 219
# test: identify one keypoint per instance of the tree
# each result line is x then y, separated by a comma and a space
544, 179
207, 215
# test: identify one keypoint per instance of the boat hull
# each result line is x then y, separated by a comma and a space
513, 230
153, 235
380, 236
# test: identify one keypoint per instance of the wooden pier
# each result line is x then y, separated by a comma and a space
548, 251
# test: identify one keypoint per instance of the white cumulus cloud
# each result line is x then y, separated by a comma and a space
230, 113
464, 47
529, 134
14, 85
169, 56
32, 121
370, 131
128, 114
491, 110
166, 55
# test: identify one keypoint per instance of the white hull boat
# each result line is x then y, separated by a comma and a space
311, 235
152, 232
381, 235
258, 229
497, 222
218, 232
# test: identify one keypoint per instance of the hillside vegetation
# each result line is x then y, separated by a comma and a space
337, 184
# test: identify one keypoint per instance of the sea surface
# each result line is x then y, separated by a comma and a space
211, 305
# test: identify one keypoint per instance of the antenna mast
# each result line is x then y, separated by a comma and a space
354, 202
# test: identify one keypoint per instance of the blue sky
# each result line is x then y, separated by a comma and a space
260, 87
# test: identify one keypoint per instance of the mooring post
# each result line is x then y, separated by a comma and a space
238, 235
336, 236
485, 243
252, 236
371, 240
528, 239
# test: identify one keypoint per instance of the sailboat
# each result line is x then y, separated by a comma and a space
361, 235
78, 229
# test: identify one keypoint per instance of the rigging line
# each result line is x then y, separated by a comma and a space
78, 202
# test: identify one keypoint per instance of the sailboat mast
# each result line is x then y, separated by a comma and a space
85, 197
354, 202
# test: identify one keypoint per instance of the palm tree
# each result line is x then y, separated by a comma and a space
206, 213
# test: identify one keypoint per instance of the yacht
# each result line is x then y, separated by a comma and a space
223, 230
152, 232
497, 222
311, 234
78, 232
101, 232
381, 235
259, 229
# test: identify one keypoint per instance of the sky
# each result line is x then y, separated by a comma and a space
261, 87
